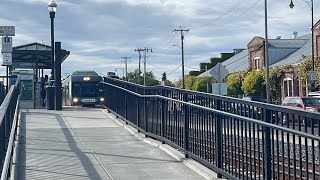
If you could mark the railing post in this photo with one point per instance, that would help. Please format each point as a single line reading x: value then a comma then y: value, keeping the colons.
x: 218, y: 147
x: 186, y: 125
x: 126, y: 102
x: 267, y: 145
x: 138, y: 108
x: 162, y: 114
x: 145, y: 110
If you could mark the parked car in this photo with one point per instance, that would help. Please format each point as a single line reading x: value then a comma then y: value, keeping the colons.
x: 310, y: 104
x: 255, y: 98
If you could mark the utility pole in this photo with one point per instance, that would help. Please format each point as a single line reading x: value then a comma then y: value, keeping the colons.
x: 145, y: 63
x: 139, y: 72
x: 182, y: 51
x: 126, y: 65
x: 266, y: 53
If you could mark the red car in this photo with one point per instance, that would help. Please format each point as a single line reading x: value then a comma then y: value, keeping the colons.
x: 310, y: 104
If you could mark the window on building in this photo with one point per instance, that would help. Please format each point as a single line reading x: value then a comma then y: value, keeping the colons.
x: 257, y: 63
x: 287, y: 87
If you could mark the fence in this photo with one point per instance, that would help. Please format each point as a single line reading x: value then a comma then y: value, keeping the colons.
x: 237, y: 139
x: 9, y: 111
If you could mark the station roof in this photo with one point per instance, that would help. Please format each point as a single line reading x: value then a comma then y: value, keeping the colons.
x: 27, y: 56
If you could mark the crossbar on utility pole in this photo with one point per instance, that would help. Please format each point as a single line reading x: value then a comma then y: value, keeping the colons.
x: 139, y: 72
x: 126, y: 65
x: 182, y: 52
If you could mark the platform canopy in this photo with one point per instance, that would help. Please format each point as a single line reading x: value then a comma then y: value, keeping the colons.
x: 34, y: 56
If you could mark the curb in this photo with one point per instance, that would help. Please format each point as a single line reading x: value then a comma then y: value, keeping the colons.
x: 190, y: 163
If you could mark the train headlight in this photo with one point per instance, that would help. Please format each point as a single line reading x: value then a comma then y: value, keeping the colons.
x: 75, y: 100
x: 86, y: 78
x: 101, y: 99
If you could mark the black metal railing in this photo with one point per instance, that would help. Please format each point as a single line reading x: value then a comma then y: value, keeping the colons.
x: 9, y: 111
x: 238, y: 139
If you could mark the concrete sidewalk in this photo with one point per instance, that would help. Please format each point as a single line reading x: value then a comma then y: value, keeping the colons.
x: 80, y: 143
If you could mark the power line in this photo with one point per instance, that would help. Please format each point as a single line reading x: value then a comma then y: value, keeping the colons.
x: 191, y: 67
x: 174, y: 70
x: 230, y: 21
x: 226, y: 13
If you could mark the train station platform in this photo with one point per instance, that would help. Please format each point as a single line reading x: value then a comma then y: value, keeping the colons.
x: 84, y: 143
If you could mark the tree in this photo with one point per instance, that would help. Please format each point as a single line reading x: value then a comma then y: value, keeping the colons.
x: 164, y: 76
x: 202, y: 83
x: 276, y: 74
x: 190, y: 81
x: 150, y: 78
x: 254, y: 84
x: 234, y: 84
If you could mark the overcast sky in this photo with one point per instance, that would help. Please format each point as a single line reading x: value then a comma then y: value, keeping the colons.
x: 99, y: 32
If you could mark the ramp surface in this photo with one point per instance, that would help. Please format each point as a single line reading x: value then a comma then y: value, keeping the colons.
x: 80, y: 143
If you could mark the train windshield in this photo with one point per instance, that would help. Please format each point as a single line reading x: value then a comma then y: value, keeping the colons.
x: 85, y: 90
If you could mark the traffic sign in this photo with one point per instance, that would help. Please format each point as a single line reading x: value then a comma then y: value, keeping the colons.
x: 7, y: 30
x: 6, y: 45
x: 312, y: 76
x: 219, y: 72
x: 7, y: 59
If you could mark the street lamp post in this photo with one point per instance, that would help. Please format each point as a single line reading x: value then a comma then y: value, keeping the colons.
x: 310, y: 4
x: 52, y: 7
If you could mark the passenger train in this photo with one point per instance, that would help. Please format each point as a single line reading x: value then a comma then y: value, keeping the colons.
x: 81, y: 88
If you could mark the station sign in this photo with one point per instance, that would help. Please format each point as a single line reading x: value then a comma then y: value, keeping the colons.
x: 7, y: 59
x: 312, y: 76
x: 6, y: 45
x: 7, y: 30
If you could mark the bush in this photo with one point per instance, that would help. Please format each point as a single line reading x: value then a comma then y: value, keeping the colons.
x: 254, y: 84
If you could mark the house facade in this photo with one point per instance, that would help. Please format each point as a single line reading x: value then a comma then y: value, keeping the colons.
x: 281, y: 53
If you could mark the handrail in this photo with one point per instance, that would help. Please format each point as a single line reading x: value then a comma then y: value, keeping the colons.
x: 9, y: 114
x: 8, y: 157
x: 273, y: 107
x: 299, y: 133
x: 5, y: 103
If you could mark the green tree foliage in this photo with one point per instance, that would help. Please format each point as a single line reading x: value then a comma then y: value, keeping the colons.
x: 234, y: 84
x: 306, y: 66
x: 202, y: 83
x: 164, y: 76
x: 168, y: 83
x: 190, y: 81
x: 150, y: 78
x: 254, y: 84
x: 275, y: 76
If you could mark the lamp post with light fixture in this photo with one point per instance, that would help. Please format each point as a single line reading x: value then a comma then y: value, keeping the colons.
x: 310, y: 4
x: 52, y: 7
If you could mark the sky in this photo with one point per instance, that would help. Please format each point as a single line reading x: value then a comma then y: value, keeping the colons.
x: 99, y: 32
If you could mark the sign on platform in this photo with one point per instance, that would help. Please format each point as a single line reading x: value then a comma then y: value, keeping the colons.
x: 219, y: 72
x: 7, y: 30
x: 7, y: 59
x: 6, y: 45
x: 312, y: 76
x: 219, y: 88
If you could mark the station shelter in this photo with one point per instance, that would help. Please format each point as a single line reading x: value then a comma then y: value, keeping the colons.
x: 29, y: 62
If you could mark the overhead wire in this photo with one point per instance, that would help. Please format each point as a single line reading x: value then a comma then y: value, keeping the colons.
x: 174, y: 70
x: 226, y: 13
x: 172, y: 35
x: 232, y: 20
